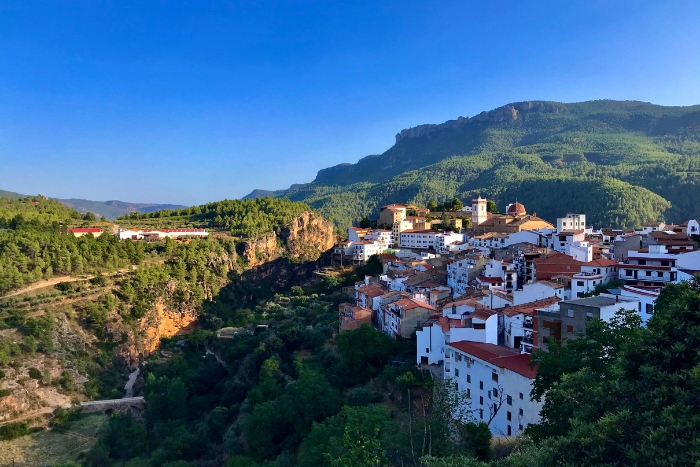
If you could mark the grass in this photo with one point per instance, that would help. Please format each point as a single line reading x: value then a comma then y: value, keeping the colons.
x: 50, y: 447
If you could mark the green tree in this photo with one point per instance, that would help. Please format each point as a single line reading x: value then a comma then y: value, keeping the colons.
x: 362, y: 354
x: 432, y: 205
x: 626, y: 394
x: 491, y: 207
x: 365, y: 223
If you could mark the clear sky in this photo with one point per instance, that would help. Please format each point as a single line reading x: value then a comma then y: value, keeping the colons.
x: 195, y: 101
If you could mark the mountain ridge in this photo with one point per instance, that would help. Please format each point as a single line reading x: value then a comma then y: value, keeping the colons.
x: 626, y: 149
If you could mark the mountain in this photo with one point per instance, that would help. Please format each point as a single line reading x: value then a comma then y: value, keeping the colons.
x: 113, y: 209
x: 621, y: 162
x: 10, y: 194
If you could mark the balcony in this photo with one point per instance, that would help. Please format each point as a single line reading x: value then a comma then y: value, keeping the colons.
x: 528, y: 340
x: 527, y: 325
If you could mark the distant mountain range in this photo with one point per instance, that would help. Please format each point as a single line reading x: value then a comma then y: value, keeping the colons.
x: 621, y: 162
x: 110, y: 209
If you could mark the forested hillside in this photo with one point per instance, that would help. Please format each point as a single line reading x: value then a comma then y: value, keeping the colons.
x: 622, y: 163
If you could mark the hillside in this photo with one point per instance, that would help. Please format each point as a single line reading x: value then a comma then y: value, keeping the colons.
x: 623, y: 163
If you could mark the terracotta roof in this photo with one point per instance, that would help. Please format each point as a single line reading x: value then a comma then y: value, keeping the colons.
x: 601, y: 262
x: 490, y: 280
x: 482, y: 313
x: 516, y: 208
x: 409, y: 303
x: 556, y: 257
x: 555, y: 285
x: 530, y: 307
x: 568, y: 233
x: 419, y: 231
x: 498, y: 356
x: 371, y: 291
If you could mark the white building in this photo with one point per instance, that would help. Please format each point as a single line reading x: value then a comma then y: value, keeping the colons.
x: 355, y: 234
x: 540, y: 290
x: 693, y: 228
x: 421, y: 239
x: 571, y: 222
x: 465, y: 320
x: 572, y: 243
x: 654, y: 268
x: 138, y: 234
x: 384, y: 238
x: 445, y: 240
x: 363, y: 249
x: 593, y: 274
x: 647, y: 299
x: 498, y: 381
x: 518, y: 321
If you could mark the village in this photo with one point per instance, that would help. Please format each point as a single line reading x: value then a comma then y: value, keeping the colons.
x: 482, y: 293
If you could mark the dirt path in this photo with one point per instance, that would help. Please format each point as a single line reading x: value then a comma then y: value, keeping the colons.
x: 55, y: 280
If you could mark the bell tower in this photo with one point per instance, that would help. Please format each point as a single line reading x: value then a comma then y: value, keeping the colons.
x: 479, y: 213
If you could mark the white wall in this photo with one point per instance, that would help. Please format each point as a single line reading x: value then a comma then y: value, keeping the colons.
x: 469, y: 380
x: 430, y: 342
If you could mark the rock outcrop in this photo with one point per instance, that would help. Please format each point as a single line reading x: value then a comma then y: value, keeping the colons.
x: 304, y: 238
x: 308, y: 236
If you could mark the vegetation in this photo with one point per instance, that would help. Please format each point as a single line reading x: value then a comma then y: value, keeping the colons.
x: 242, y: 218
x: 624, y: 163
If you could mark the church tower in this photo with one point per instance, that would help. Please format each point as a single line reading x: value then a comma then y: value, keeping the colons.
x: 479, y: 213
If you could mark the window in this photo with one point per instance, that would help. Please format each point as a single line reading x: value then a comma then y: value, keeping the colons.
x: 521, y: 412
x: 509, y: 416
x: 495, y: 407
x: 457, y: 386
x: 589, y: 314
x: 509, y: 400
x: 570, y: 329
x: 520, y: 427
x: 469, y: 378
x: 481, y: 385
x: 648, y: 273
x: 481, y: 414
x: 649, y: 308
x: 570, y: 313
x: 494, y: 377
x: 579, y: 283
x: 456, y: 371
x: 521, y: 396
x: 659, y: 274
x: 469, y: 393
x: 495, y: 392
x: 479, y: 325
x: 427, y: 350
x: 481, y: 400
x: 509, y: 431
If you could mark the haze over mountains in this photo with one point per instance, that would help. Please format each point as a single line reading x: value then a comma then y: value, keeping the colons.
x: 622, y: 162
x: 109, y: 209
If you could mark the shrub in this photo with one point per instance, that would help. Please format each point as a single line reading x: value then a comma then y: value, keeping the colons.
x: 34, y: 373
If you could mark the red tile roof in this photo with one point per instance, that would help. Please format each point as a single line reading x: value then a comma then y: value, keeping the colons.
x: 490, y: 280
x: 371, y: 291
x: 530, y: 307
x: 498, y: 356
x: 601, y: 262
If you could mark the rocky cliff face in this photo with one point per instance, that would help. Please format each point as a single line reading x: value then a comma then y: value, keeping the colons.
x: 305, y: 238
x: 308, y: 236
x: 506, y: 113
x: 158, y: 323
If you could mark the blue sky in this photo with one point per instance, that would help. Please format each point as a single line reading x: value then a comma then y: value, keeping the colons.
x: 189, y: 102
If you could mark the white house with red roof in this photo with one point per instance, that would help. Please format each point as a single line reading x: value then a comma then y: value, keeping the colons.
x: 518, y: 320
x: 498, y: 381
x: 368, y: 295
x: 139, y: 234
x: 592, y: 274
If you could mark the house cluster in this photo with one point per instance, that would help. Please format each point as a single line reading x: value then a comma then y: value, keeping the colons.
x: 478, y: 302
x: 399, y: 230
x: 157, y: 235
